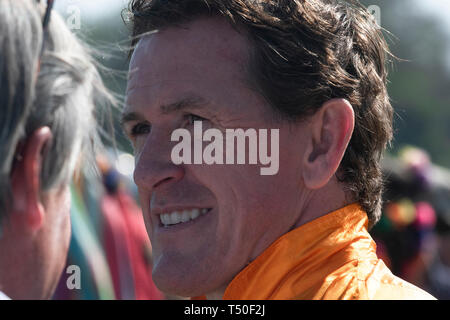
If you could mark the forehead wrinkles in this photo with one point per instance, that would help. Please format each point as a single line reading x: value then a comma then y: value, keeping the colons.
x: 211, y: 37
x: 226, y: 42
x: 195, y: 46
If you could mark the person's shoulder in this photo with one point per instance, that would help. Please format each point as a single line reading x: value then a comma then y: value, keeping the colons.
x: 381, y: 284
x: 395, y: 288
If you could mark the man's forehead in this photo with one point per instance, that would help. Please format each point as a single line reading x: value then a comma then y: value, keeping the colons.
x: 204, y: 42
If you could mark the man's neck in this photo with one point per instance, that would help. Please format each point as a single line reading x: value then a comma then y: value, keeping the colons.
x: 321, y: 202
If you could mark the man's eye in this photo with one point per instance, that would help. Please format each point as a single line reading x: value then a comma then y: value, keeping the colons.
x: 140, y: 128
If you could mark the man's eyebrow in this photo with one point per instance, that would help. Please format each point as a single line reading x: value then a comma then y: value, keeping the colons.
x: 130, y: 116
x: 192, y: 102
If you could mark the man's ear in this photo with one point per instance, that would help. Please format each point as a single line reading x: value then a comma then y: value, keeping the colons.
x: 27, y: 207
x: 331, y: 130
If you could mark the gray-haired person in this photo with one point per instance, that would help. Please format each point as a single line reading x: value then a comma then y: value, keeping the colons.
x: 48, y: 88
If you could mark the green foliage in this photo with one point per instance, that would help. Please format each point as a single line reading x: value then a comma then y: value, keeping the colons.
x: 420, y: 86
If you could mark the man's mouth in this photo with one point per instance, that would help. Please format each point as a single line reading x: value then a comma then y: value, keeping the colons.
x: 182, y: 216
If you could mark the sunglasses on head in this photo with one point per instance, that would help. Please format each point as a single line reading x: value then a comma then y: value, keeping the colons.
x: 46, y: 20
x: 45, y: 23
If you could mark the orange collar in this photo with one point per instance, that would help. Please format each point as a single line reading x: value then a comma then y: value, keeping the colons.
x: 300, y: 264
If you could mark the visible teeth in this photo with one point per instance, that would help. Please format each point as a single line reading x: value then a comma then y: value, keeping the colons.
x: 165, y: 219
x: 194, y: 213
x: 185, y: 217
x: 176, y: 217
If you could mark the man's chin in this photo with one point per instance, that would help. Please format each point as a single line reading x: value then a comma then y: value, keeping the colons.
x: 184, y: 288
x: 175, y: 280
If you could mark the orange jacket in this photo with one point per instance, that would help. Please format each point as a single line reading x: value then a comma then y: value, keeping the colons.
x: 332, y: 257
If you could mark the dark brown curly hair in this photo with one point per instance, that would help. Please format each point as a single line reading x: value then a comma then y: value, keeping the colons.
x: 304, y: 53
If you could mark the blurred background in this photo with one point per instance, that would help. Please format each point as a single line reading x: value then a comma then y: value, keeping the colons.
x: 109, y: 242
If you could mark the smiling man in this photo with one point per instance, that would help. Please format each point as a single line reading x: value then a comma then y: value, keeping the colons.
x: 313, y: 70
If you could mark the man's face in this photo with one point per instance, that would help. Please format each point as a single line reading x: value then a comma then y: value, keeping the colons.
x: 179, y: 75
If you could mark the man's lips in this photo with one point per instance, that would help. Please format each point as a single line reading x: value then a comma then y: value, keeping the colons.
x: 179, y: 215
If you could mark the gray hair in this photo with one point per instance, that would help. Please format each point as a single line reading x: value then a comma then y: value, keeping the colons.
x: 66, y: 91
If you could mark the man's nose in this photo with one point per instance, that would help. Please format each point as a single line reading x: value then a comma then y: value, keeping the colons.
x: 154, y: 166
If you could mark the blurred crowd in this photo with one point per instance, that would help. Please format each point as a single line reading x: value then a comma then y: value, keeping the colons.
x: 109, y: 242
x: 413, y: 235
